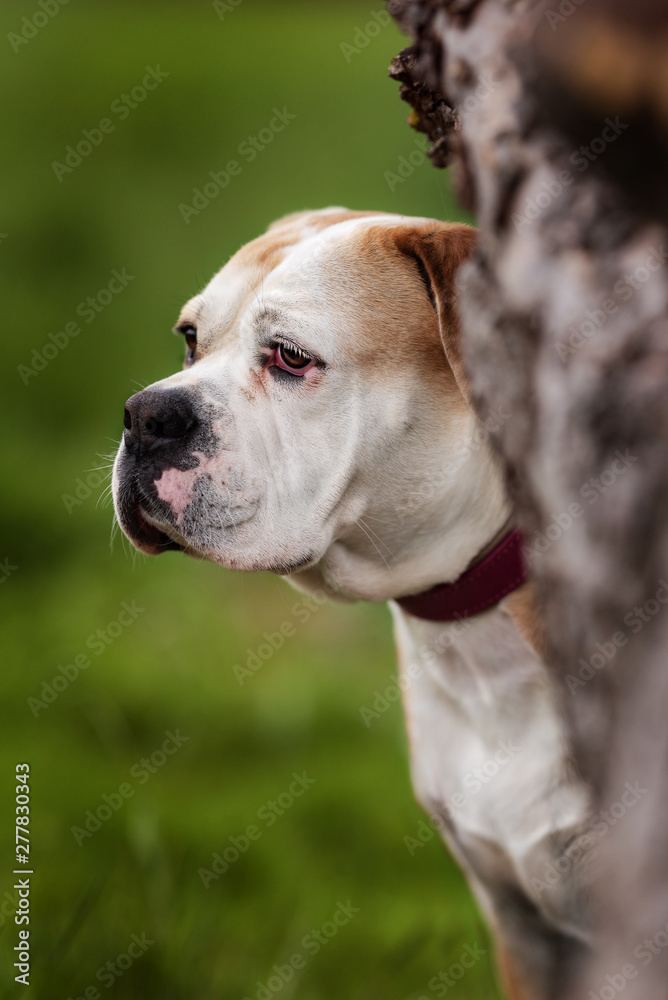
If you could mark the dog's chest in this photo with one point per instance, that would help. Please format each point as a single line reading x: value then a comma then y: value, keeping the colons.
x: 489, y: 755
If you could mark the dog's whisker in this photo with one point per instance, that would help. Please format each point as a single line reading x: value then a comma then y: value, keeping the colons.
x: 373, y: 543
x: 391, y: 524
x: 105, y: 498
x: 382, y: 541
x: 259, y: 304
x: 113, y: 533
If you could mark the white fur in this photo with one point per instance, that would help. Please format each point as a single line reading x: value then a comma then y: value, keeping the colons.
x: 472, y: 689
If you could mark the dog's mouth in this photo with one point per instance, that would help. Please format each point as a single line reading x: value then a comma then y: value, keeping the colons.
x: 153, y: 539
x: 144, y: 534
x: 154, y: 527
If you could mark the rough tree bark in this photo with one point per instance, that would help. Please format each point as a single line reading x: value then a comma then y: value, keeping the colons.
x: 555, y: 116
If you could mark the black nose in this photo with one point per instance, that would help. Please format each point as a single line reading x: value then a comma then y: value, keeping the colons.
x: 153, y: 418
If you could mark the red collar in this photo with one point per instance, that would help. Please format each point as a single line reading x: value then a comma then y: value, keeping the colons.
x: 476, y: 590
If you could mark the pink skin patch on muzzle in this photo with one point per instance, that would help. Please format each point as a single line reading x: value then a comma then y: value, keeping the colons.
x: 175, y: 487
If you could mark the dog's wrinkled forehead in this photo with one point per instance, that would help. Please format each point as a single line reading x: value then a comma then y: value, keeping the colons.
x: 329, y: 277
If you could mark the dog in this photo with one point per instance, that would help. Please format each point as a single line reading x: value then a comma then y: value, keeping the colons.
x: 323, y: 429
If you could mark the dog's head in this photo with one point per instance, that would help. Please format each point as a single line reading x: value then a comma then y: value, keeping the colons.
x: 322, y: 396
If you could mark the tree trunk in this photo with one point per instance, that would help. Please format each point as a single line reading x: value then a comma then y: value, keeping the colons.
x: 555, y: 119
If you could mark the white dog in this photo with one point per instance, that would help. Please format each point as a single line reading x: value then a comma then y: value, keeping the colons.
x: 322, y: 429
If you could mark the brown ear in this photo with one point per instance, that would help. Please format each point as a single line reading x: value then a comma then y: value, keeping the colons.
x: 438, y: 249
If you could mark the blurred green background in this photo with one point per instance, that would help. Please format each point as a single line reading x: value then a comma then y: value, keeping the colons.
x: 172, y: 669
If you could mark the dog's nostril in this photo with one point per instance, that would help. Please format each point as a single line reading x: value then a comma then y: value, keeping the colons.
x: 127, y: 419
x: 174, y: 425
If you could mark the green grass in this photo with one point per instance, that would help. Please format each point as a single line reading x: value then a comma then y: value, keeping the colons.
x: 173, y: 668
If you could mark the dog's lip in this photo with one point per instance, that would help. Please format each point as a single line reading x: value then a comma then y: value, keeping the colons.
x: 152, y: 533
x: 150, y: 537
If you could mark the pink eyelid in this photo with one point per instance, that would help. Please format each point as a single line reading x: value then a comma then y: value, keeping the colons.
x: 275, y: 359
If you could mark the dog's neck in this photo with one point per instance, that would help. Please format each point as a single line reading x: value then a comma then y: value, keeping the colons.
x: 391, y: 551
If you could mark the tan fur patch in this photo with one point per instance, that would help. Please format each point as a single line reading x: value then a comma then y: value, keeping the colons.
x: 317, y: 219
x: 266, y: 252
x: 522, y: 608
x: 514, y: 984
x: 396, y: 326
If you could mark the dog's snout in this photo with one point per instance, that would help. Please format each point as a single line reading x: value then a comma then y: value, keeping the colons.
x: 154, y: 418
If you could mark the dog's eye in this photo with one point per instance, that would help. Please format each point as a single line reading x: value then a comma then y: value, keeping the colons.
x: 292, y: 358
x: 190, y: 334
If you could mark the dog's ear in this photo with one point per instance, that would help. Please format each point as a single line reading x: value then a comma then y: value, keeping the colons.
x: 437, y: 250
